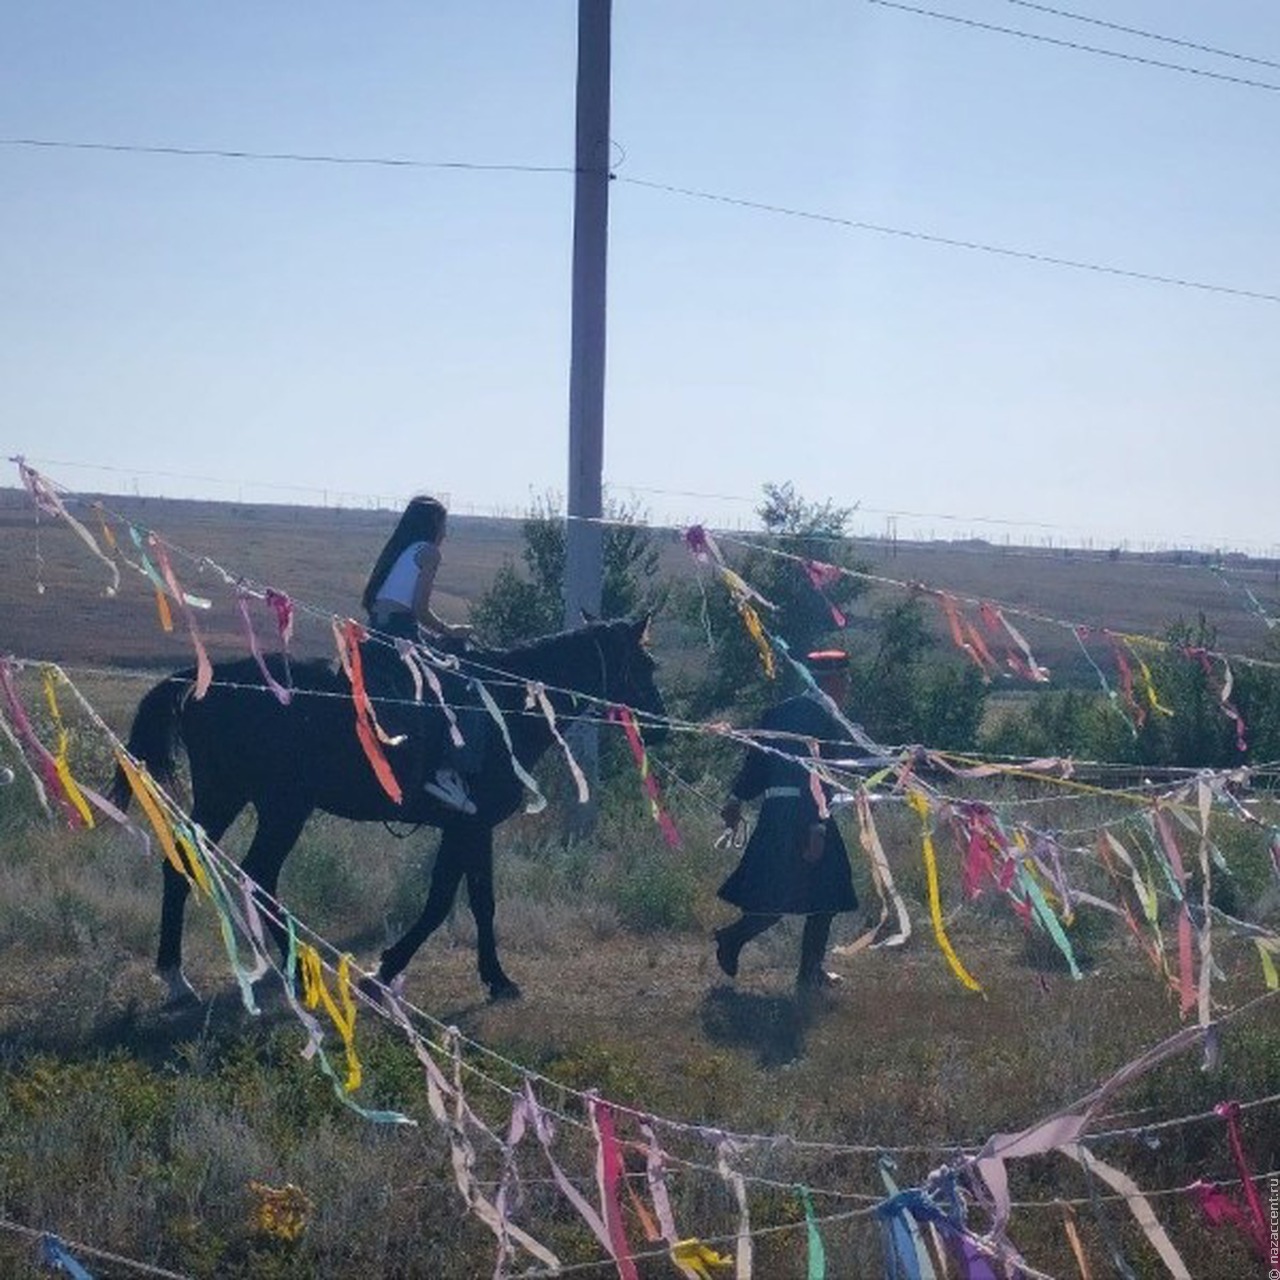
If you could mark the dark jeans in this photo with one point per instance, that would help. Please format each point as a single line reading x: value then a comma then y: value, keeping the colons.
x: 813, y: 944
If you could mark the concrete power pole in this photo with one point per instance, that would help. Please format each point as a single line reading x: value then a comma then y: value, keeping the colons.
x: 584, y: 539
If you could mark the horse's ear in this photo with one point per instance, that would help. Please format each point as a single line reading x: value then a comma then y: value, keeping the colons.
x: 588, y: 617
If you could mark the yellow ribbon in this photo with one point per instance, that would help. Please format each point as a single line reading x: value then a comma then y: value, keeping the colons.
x: 1267, y: 947
x: 921, y: 806
x: 755, y: 629
x: 1148, y: 685
x: 695, y: 1258
x: 60, y: 763
x: 315, y: 993
x: 195, y: 861
x: 144, y: 788
x: 279, y: 1211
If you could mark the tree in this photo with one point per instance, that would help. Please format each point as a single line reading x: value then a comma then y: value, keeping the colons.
x: 518, y: 606
x: 906, y: 693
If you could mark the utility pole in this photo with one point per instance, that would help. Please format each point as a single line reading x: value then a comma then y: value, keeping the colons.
x: 584, y: 539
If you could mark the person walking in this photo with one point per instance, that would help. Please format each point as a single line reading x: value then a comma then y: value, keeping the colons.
x: 795, y: 862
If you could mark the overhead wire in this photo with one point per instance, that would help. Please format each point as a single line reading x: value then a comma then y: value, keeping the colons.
x: 294, y: 157
x: 952, y: 242
x: 1145, y: 35
x: 762, y: 206
x: 979, y: 25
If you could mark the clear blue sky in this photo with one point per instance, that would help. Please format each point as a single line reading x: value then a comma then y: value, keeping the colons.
x: 283, y: 331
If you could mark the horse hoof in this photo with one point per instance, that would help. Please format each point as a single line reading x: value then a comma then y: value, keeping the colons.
x: 504, y: 990
x: 181, y: 992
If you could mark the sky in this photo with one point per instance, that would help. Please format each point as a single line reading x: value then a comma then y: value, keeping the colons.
x: 266, y: 330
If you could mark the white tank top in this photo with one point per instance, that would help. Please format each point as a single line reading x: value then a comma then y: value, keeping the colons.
x: 402, y: 581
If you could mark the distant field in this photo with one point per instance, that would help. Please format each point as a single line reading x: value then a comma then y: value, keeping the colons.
x: 320, y: 557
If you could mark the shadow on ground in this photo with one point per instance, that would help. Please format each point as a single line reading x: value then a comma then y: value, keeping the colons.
x: 772, y: 1027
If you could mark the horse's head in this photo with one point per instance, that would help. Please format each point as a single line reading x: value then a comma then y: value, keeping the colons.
x: 628, y: 668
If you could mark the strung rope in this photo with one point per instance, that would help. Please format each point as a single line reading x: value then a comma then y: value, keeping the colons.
x: 46, y: 500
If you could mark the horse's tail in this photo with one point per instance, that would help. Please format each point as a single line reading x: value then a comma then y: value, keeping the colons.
x: 154, y: 737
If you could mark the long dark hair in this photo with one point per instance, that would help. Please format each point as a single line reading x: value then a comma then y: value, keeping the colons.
x: 422, y: 521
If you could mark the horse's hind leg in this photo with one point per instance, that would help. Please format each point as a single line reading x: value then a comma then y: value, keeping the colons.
x: 215, y: 820
x: 445, y: 876
x: 480, y: 896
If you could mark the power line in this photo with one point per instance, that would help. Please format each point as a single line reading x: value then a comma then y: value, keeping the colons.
x: 952, y: 242
x: 761, y: 206
x: 296, y: 157
x: 1145, y: 35
x: 1072, y: 44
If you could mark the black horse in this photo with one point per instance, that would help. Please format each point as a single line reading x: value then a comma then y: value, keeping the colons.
x: 244, y: 747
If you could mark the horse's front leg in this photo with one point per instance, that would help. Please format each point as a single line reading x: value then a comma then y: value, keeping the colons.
x: 445, y: 877
x: 480, y: 896
x: 277, y: 832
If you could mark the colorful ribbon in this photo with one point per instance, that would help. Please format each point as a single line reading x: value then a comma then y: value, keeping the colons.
x: 1230, y: 1113
x: 921, y: 806
x: 283, y: 696
x: 650, y: 784
x: 204, y: 670
x: 47, y: 500
x: 348, y: 634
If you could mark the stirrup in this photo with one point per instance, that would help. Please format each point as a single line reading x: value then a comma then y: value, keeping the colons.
x: 450, y: 790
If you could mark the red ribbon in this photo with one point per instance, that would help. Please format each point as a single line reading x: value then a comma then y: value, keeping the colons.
x: 1257, y: 1227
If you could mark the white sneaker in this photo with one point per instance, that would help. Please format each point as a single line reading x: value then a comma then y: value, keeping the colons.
x: 450, y: 790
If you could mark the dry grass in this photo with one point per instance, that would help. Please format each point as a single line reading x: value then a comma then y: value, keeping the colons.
x: 141, y: 1131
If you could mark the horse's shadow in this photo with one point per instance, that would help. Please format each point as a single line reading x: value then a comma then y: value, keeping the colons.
x: 773, y: 1027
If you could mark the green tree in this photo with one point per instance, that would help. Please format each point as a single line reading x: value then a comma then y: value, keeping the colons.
x: 907, y: 693
x: 1191, y: 731
x: 1257, y: 697
x: 520, y: 605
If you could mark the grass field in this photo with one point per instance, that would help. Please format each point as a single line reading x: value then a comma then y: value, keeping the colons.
x: 141, y: 1131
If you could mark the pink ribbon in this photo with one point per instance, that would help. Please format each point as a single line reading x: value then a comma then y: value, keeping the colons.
x: 1221, y: 1210
x: 821, y: 577
x: 1186, y: 978
x: 1230, y: 1112
x: 283, y: 695
x: 610, y: 1174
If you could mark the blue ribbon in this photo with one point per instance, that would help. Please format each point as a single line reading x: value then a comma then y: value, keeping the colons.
x: 50, y: 1252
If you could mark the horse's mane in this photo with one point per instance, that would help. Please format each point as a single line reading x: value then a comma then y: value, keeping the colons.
x: 556, y: 639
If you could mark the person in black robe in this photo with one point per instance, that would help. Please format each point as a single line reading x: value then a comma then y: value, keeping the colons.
x: 795, y: 862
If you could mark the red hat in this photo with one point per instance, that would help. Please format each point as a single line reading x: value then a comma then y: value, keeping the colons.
x: 824, y: 661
